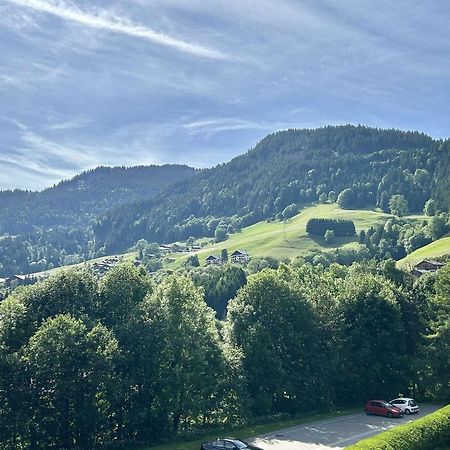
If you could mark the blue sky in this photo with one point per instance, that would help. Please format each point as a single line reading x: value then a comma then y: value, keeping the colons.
x: 88, y: 83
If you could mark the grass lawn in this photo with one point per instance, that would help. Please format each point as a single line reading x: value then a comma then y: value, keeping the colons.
x: 290, y: 239
x: 437, y: 248
x: 252, y: 430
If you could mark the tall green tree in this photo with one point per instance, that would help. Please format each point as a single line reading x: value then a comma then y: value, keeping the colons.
x: 121, y: 290
x: 438, y: 226
x: 273, y: 325
x: 430, y: 207
x: 69, y: 367
x: 72, y: 291
x: 398, y: 205
x: 437, y: 346
x: 372, y: 338
x: 191, y: 362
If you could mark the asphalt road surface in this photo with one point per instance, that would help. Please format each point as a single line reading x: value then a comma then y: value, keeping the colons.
x: 336, y: 433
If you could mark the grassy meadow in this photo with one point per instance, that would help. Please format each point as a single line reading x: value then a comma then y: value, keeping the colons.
x: 436, y: 249
x: 287, y: 240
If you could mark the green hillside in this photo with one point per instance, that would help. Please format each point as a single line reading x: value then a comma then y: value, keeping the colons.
x: 290, y: 239
x: 436, y: 249
x: 291, y: 166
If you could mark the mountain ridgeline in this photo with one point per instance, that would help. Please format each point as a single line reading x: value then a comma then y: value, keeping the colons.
x: 85, y: 196
x: 41, y: 230
x: 293, y: 166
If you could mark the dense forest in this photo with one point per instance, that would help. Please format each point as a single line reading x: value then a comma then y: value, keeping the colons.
x: 39, y: 230
x: 88, y: 363
x: 358, y: 166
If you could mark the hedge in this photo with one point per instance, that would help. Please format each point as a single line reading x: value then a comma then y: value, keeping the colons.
x: 429, y: 432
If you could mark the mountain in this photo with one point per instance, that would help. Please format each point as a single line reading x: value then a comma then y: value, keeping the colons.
x: 40, y: 230
x: 293, y: 166
x: 85, y: 196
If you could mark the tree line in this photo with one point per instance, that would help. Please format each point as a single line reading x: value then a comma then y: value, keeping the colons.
x: 340, y: 227
x: 127, y: 359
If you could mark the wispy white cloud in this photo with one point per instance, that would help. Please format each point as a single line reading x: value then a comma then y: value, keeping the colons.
x: 69, y: 124
x: 15, y: 18
x: 212, y: 126
x: 105, y: 21
x: 49, y: 150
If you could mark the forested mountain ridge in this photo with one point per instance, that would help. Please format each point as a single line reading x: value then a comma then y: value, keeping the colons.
x: 41, y: 230
x: 85, y: 196
x: 293, y: 166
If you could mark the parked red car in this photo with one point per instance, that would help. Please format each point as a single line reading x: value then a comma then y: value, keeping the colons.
x: 382, y: 408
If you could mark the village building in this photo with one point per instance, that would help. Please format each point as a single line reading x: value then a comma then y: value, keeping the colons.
x: 240, y: 256
x: 163, y: 248
x: 426, y: 266
x: 213, y: 260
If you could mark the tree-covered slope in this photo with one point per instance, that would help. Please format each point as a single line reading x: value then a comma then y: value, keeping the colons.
x: 79, y: 199
x: 42, y: 230
x: 290, y: 166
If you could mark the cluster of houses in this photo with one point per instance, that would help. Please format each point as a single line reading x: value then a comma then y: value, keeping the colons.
x: 238, y: 256
x: 101, y: 267
x: 426, y: 266
x: 178, y: 247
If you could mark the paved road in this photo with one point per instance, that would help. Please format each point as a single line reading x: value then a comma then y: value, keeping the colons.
x: 336, y: 433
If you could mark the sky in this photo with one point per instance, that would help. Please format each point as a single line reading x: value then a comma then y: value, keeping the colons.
x: 85, y: 83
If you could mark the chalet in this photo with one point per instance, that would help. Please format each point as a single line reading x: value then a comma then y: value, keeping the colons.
x: 163, y: 248
x: 179, y: 247
x: 240, y: 256
x: 426, y: 266
x: 213, y: 260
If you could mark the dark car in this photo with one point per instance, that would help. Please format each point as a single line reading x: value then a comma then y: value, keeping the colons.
x: 229, y: 444
x: 382, y: 408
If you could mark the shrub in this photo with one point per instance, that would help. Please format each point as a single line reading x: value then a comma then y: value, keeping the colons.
x: 429, y: 432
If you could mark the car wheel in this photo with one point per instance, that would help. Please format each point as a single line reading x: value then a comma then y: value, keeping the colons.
x: 407, y: 411
x: 389, y: 414
x: 367, y: 412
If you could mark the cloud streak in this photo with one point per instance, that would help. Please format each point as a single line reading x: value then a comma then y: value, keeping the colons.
x: 104, y: 21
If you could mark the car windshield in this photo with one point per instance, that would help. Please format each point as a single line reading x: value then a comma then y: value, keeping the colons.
x: 413, y: 403
x: 387, y: 405
x: 240, y: 444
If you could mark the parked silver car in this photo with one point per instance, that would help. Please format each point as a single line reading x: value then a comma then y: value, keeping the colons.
x: 407, y: 405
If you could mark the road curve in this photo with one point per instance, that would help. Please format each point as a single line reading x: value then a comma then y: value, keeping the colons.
x: 336, y: 433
